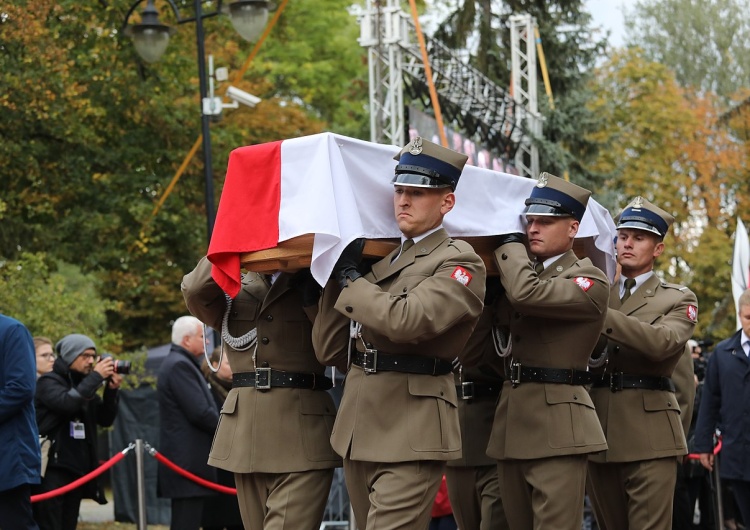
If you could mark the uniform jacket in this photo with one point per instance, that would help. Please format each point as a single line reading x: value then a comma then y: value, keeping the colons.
x: 645, y: 336
x: 413, y: 306
x: 281, y: 430
x: 187, y: 420
x: 482, y: 366
x: 556, y: 320
x: 19, y: 460
x: 725, y: 404
x: 64, y: 396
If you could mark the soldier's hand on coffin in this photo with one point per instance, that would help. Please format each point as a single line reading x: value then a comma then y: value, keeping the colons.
x: 346, y: 267
x: 515, y: 237
x: 493, y: 290
x: 305, y: 284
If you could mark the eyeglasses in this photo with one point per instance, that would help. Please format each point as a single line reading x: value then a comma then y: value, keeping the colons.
x: 48, y: 355
x: 90, y: 356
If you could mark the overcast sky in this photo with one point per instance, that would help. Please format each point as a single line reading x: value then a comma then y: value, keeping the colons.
x: 608, y: 15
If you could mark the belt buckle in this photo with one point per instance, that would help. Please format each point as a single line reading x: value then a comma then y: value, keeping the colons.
x: 467, y: 390
x: 515, y: 374
x: 370, y: 360
x: 263, y: 378
x: 613, y: 381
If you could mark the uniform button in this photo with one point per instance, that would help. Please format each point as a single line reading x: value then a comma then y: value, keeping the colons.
x: 269, y: 318
x: 441, y: 393
x: 669, y: 403
x: 609, y: 330
x: 404, y: 289
x: 265, y: 340
x: 616, y: 349
x: 575, y: 397
x: 348, y: 309
x: 504, y: 256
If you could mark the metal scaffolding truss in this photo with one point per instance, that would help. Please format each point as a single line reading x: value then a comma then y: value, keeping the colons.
x: 467, y: 98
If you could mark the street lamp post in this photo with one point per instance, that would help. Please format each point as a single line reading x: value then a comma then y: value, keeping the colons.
x: 151, y: 37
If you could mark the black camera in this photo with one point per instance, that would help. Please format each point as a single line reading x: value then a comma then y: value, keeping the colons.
x: 121, y: 367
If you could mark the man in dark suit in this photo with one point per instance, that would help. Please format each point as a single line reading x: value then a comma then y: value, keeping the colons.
x: 397, y: 423
x: 545, y: 424
x: 276, y: 422
x: 187, y: 420
x: 649, y: 321
x: 725, y: 403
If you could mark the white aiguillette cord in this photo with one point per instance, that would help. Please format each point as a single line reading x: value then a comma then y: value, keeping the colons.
x: 241, y: 343
x: 503, y: 343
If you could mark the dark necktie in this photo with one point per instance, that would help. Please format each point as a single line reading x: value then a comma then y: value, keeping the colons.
x: 538, y: 267
x: 406, y: 246
x: 629, y: 284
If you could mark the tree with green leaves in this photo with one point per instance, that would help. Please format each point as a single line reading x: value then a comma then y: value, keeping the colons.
x: 91, y: 137
x: 661, y: 142
x: 704, y: 43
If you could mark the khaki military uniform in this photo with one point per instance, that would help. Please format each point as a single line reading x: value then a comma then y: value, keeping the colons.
x: 543, y: 431
x: 473, y: 487
x: 632, y: 484
x: 277, y: 441
x: 396, y: 429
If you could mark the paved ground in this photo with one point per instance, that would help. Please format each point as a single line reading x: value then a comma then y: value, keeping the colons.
x: 93, y: 512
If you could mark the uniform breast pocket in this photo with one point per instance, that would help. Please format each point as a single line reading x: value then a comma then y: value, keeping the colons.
x: 571, y: 417
x: 224, y: 435
x: 432, y: 414
x: 663, y: 420
x: 317, y: 414
x: 297, y: 334
x: 243, y: 316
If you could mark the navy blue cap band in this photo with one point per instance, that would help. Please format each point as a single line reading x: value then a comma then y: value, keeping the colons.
x: 549, y: 196
x: 641, y: 215
x: 422, y: 160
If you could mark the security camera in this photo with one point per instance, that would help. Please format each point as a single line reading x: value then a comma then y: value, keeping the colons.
x: 240, y: 96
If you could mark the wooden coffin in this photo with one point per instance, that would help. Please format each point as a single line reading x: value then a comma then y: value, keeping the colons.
x: 296, y: 253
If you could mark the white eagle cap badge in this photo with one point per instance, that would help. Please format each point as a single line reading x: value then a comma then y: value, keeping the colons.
x: 416, y: 146
x: 542, y: 180
x: 637, y: 202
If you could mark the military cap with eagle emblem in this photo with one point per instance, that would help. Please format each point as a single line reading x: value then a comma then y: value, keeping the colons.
x: 425, y: 164
x: 553, y: 196
x: 643, y: 215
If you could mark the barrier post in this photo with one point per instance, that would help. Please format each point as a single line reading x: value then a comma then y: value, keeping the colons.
x: 718, y: 502
x: 141, y: 484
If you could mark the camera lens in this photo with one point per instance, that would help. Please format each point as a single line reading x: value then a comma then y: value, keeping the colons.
x: 122, y: 367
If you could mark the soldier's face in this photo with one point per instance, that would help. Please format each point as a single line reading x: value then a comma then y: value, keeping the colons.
x: 637, y: 250
x: 550, y: 236
x: 418, y: 210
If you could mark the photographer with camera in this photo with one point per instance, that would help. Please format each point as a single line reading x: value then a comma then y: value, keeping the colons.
x: 68, y: 409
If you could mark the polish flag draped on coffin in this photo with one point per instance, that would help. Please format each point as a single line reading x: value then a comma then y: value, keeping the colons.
x: 339, y: 188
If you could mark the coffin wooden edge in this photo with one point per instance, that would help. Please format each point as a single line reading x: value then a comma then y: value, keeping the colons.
x: 296, y: 253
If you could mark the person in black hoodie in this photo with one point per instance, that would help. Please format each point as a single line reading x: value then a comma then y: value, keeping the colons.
x: 68, y: 410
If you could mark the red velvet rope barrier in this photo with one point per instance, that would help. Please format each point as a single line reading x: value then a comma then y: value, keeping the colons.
x: 73, y: 485
x: 203, y: 482
x: 693, y: 456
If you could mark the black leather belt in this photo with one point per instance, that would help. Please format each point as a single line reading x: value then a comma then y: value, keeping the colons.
x: 531, y: 374
x: 618, y: 381
x: 267, y: 378
x: 372, y: 361
x: 472, y: 390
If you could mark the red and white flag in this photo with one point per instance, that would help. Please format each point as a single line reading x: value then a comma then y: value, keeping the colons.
x: 339, y: 188
x: 740, y: 264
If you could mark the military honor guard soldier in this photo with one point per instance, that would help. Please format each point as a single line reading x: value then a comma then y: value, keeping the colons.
x: 649, y: 322
x: 545, y: 424
x: 275, y: 426
x: 415, y: 310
